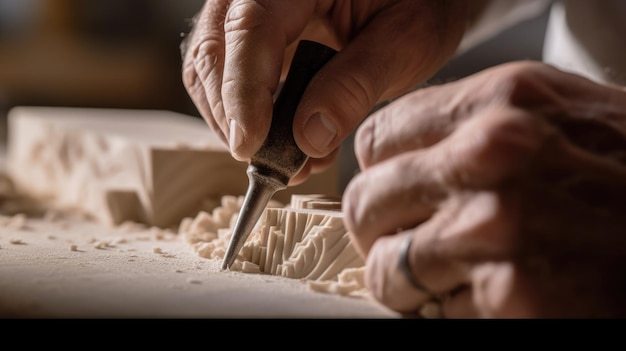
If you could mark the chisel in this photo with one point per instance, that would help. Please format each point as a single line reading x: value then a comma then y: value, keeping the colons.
x: 279, y: 158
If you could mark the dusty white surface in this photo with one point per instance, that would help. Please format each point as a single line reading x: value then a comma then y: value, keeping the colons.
x: 144, y: 274
x: 149, y: 166
x: 74, y: 268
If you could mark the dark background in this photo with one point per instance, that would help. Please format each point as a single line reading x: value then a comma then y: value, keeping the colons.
x: 113, y: 53
x: 125, y: 54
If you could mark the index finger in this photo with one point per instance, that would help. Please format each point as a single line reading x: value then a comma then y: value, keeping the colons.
x: 256, y: 34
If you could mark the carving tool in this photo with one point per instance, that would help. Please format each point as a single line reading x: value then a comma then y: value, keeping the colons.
x: 279, y: 158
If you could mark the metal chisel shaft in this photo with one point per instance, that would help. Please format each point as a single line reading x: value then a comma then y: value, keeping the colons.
x: 279, y: 158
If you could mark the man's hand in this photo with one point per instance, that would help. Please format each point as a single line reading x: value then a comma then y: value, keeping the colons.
x: 512, y: 186
x: 238, y: 49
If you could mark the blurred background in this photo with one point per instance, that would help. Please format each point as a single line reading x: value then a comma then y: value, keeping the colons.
x: 93, y: 53
x: 125, y: 54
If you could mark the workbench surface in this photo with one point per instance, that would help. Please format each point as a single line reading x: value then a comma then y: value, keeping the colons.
x: 72, y: 267
x: 77, y: 268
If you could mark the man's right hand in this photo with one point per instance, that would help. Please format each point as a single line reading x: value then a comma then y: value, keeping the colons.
x: 238, y: 50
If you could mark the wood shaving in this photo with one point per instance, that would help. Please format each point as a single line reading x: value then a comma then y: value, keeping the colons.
x: 52, y: 215
x: 131, y: 227
x: 16, y: 222
x: 119, y: 240
x: 193, y: 281
x: 431, y: 310
x: 101, y: 245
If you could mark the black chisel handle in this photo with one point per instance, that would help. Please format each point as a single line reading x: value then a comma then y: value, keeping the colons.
x: 280, y: 157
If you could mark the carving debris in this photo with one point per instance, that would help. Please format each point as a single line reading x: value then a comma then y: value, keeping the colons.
x: 146, y: 166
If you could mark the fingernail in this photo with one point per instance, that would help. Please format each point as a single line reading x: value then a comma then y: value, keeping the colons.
x: 236, y: 135
x: 320, y: 131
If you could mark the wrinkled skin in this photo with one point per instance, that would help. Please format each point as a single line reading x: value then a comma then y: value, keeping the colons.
x: 238, y: 50
x: 512, y: 183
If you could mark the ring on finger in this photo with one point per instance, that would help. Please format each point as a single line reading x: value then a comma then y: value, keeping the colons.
x: 405, y: 268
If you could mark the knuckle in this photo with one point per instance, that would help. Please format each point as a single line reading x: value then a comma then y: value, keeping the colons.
x: 510, y: 130
x: 525, y: 84
x: 356, y: 93
x: 490, y: 217
x: 520, y: 71
x: 245, y: 15
x: 349, y: 202
x: 353, y: 99
x: 211, y: 46
x: 205, y: 57
x: 208, y: 52
x: 203, y: 46
x: 364, y: 143
x: 196, y: 72
x: 383, y: 281
x: 190, y: 78
x: 489, y: 150
x: 359, y: 214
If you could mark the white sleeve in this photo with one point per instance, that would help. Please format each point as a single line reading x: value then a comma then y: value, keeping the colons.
x: 499, y: 15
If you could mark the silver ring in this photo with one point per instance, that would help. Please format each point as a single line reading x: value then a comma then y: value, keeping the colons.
x: 405, y: 268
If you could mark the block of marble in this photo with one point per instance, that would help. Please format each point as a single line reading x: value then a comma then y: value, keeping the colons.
x: 115, y: 165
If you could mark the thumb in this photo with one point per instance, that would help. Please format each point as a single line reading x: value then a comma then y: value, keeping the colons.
x: 385, y: 59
